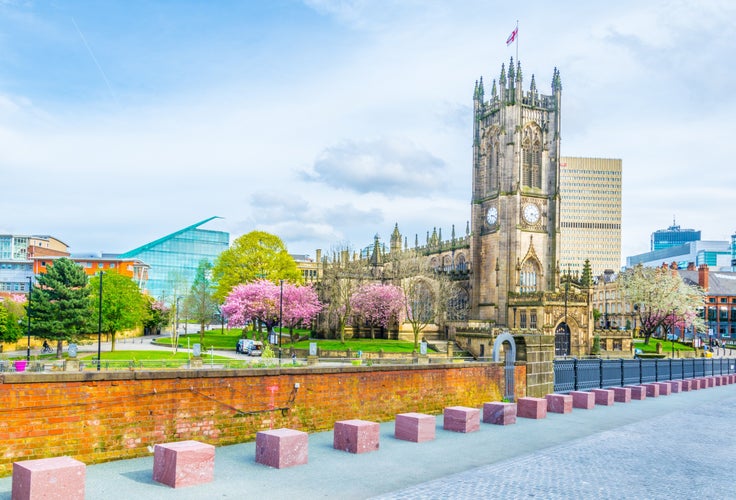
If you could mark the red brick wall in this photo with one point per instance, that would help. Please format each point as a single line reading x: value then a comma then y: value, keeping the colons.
x: 96, y: 417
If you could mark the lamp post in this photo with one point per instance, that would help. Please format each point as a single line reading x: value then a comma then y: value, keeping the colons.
x: 281, y: 315
x: 99, y: 328
x: 30, y: 296
x: 175, y: 342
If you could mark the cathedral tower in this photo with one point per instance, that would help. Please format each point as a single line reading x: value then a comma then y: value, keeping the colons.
x: 515, y: 199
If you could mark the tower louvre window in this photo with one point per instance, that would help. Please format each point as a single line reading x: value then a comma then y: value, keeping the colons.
x: 531, y: 158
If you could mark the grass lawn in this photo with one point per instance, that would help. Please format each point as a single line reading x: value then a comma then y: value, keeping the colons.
x: 366, y: 345
x: 229, y: 339
x: 142, y: 356
x: 666, y: 346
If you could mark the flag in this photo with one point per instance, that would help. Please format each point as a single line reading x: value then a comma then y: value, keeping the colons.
x: 512, y: 36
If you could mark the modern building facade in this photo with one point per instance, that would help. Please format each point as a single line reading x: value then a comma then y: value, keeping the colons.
x: 135, y: 269
x: 673, y: 236
x: 590, y: 213
x: 174, y: 258
x: 16, y: 254
x: 715, y: 254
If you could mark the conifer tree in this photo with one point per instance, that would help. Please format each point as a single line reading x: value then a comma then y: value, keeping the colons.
x: 60, y: 308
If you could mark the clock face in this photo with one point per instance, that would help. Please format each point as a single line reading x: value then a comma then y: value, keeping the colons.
x: 492, y: 216
x: 531, y: 213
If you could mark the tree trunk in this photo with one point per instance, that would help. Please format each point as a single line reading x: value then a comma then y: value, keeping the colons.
x: 59, y: 349
x: 112, y: 343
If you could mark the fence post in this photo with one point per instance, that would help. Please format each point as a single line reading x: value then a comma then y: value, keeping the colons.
x: 640, y: 378
x: 575, y: 373
x: 600, y: 373
x: 670, y: 377
x: 622, y: 372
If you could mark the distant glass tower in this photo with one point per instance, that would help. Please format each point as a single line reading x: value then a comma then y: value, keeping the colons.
x: 673, y: 236
x: 174, y: 258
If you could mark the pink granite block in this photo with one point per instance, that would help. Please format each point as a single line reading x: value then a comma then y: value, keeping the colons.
x: 638, y: 392
x: 356, y: 436
x: 559, y: 403
x: 603, y: 397
x: 583, y: 399
x: 696, y: 384
x: 622, y: 394
x: 499, y: 413
x: 461, y: 419
x: 664, y: 388
x: 184, y: 463
x: 652, y: 390
x: 531, y: 408
x: 686, y: 385
x: 721, y: 380
x: 59, y: 478
x: 415, y: 427
x: 281, y: 448
x: 732, y: 378
x: 711, y: 381
x: 675, y: 385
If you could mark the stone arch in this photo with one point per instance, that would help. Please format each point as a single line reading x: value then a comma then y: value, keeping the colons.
x: 498, y: 342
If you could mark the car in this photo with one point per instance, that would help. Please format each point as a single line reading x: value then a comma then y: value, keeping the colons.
x: 243, y: 346
x: 255, y: 348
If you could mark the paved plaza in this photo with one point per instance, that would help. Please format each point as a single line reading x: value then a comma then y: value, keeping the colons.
x: 676, y: 446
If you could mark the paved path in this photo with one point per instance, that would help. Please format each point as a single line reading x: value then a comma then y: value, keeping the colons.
x: 677, y: 446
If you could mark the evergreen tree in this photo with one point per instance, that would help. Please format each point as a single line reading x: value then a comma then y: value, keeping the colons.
x: 586, y: 278
x: 60, y: 308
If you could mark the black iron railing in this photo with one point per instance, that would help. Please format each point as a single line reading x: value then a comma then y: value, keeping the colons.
x: 583, y: 374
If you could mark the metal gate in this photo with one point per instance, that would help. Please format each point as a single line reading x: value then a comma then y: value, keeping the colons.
x: 562, y: 340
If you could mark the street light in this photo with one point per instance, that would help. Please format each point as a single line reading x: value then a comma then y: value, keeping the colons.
x: 99, y: 328
x: 30, y: 295
x: 281, y: 316
x: 175, y: 343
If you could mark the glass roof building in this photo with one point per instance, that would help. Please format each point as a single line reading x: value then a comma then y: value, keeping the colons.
x: 174, y: 258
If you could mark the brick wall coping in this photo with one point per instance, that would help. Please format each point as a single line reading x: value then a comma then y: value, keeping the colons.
x: 142, y: 374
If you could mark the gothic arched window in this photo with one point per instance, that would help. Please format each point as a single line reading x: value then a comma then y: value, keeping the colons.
x: 532, y: 158
x: 421, y: 302
x: 461, y: 265
x: 528, y: 277
x: 457, y: 306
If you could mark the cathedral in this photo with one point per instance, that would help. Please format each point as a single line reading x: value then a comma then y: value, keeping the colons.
x: 505, y: 268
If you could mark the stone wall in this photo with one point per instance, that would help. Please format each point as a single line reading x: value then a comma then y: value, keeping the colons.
x: 538, y: 351
x: 101, y: 416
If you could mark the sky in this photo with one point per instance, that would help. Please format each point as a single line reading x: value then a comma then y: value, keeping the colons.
x: 328, y: 121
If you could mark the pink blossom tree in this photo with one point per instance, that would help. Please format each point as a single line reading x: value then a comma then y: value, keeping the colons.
x: 378, y: 304
x: 262, y: 300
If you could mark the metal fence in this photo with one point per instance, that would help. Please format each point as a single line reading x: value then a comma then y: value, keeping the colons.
x: 583, y: 374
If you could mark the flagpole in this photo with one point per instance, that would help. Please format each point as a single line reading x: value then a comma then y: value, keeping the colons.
x: 517, y: 41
